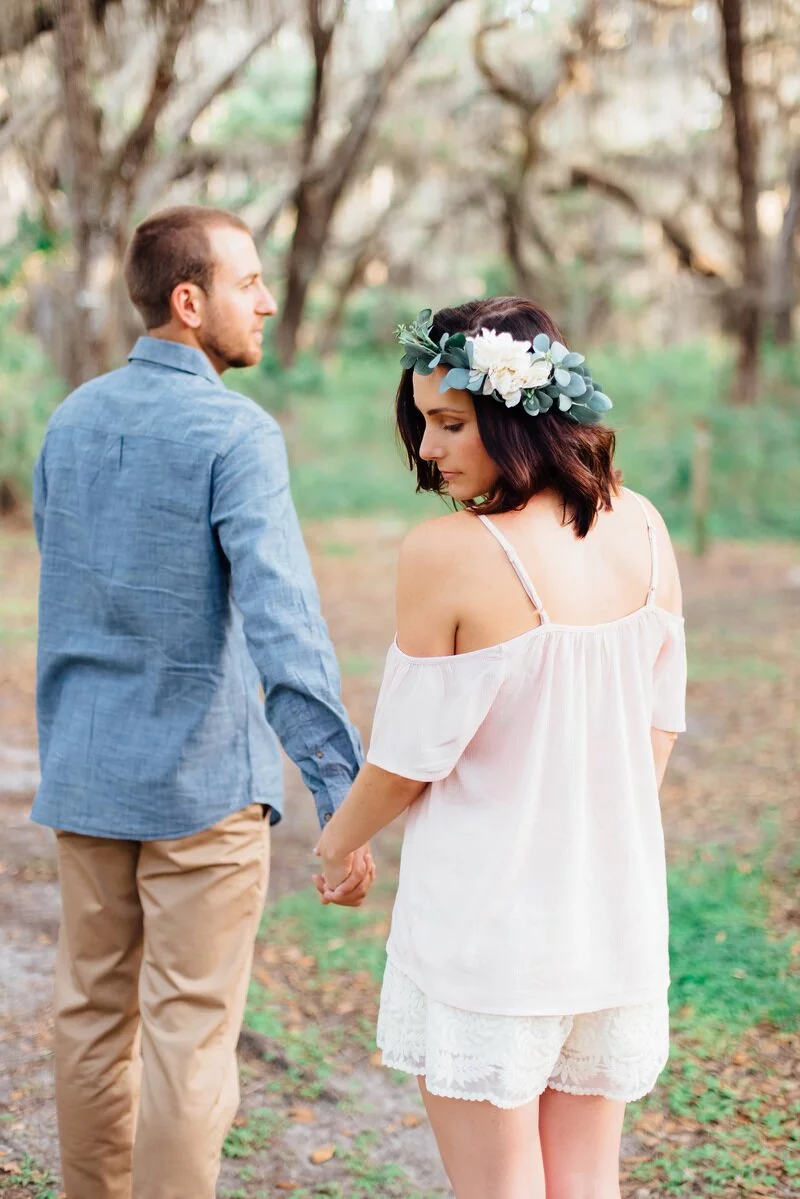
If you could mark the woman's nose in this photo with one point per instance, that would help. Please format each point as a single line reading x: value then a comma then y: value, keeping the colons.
x: 428, y: 452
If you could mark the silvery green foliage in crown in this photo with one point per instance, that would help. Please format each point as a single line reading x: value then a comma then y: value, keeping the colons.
x: 537, y: 374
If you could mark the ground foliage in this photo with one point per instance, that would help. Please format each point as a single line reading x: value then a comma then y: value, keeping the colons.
x: 319, y: 1117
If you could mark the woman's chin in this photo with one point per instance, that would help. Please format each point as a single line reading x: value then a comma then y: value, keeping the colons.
x: 457, y: 489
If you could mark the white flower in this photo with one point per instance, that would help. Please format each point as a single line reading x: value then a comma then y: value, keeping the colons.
x: 539, y: 373
x: 508, y: 366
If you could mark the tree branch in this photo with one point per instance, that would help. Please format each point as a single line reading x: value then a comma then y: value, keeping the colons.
x: 132, y: 153
x: 687, y: 255
x: 342, y: 161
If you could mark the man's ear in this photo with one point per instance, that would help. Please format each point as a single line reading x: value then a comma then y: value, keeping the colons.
x: 187, y: 303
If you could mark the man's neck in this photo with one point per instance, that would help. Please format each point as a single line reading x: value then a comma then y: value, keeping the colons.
x: 187, y: 337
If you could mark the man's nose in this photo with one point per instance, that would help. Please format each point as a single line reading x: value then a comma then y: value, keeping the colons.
x: 266, y: 302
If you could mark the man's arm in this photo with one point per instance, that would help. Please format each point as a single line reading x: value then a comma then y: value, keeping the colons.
x: 273, y: 586
x: 39, y: 498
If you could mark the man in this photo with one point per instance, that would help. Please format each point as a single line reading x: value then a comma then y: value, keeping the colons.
x: 170, y: 548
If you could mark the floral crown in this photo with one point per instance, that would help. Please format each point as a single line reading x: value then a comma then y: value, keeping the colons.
x: 537, y: 374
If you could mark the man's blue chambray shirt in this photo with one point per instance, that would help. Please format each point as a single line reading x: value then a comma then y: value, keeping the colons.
x: 174, y: 578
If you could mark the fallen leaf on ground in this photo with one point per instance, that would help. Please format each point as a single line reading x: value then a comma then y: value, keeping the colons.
x: 302, y: 1115
x: 323, y: 1154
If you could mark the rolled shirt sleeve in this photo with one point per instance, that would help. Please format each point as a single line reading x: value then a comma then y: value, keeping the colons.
x: 273, y: 586
x: 429, y: 709
x: 669, y: 691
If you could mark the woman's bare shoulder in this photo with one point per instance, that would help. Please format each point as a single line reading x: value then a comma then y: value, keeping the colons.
x: 438, y: 540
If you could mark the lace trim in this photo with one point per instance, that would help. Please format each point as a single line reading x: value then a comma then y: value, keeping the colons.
x: 509, y: 1060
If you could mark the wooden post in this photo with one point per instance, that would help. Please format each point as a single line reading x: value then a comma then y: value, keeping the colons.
x: 701, y: 455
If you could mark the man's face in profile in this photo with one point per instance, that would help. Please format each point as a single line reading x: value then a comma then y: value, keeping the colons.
x: 238, y: 303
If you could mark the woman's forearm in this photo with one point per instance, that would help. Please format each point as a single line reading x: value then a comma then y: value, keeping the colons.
x: 375, y: 799
x: 663, y: 744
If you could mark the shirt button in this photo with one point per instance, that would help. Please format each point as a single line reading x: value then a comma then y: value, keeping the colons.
x: 319, y: 754
x: 326, y: 817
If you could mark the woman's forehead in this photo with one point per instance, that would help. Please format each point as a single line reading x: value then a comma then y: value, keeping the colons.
x: 433, y: 402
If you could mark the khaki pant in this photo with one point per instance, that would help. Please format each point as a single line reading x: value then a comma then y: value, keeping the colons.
x: 154, y: 957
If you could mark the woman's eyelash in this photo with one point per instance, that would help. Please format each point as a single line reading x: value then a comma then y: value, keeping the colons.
x: 454, y: 428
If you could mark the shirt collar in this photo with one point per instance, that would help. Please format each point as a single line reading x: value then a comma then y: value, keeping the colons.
x: 175, y: 355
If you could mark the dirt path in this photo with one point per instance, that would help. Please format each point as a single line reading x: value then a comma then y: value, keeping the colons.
x: 738, y: 764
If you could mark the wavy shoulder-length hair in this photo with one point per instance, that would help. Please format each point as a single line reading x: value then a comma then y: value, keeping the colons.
x: 533, y: 453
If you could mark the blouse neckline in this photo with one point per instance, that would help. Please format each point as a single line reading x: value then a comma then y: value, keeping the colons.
x: 548, y: 627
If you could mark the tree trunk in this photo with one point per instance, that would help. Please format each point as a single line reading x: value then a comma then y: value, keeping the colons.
x: 751, y: 299
x: 329, y: 334
x: 89, y: 237
x: 319, y: 191
x: 785, y: 276
x: 513, y: 200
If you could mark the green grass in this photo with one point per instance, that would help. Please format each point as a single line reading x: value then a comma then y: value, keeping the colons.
x: 342, y: 940
x: 262, y: 1128
x: 730, y: 975
x: 40, y: 1183
x: 727, y: 971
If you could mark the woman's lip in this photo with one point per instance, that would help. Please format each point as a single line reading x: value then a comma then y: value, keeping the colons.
x: 449, y: 474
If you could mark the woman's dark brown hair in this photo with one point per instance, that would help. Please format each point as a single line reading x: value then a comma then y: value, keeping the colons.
x: 532, y: 452
x: 169, y: 248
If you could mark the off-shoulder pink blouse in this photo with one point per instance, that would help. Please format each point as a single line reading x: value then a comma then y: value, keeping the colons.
x: 533, y: 878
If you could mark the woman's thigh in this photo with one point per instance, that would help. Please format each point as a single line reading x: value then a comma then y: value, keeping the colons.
x: 488, y: 1152
x: 580, y: 1139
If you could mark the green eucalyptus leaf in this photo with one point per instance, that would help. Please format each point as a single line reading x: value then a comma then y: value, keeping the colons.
x: 576, y: 387
x: 457, y: 379
x: 572, y: 360
x: 558, y: 352
x: 422, y: 367
x: 562, y: 377
x: 600, y: 402
x: 541, y: 342
x: 545, y: 401
x: 456, y: 339
x: 456, y: 357
x: 434, y: 362
x: 564, y: 403
x: 553, y: 391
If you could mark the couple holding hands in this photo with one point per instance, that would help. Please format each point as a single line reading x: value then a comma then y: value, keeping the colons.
x: 529, y: 704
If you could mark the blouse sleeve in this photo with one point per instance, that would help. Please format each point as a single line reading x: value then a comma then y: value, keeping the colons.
x: 669, y: 695
x: 429, y: 709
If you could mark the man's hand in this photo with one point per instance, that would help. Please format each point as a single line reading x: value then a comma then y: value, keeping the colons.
x: 346, y: 883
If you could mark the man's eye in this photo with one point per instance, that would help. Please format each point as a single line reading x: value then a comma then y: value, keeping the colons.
x: 454, y: 428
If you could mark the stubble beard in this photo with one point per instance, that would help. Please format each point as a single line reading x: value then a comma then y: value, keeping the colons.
x: 229, y: 349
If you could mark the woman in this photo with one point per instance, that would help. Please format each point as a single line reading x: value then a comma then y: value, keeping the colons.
x: 529, y: 706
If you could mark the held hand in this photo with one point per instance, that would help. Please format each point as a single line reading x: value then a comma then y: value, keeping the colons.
x: 346, y: 882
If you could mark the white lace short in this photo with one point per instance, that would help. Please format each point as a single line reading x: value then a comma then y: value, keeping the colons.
x: 509, y: 1060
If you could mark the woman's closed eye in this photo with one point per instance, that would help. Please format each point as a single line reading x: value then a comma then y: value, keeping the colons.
x: 454, y: 428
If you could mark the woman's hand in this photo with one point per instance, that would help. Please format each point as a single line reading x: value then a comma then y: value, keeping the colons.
x: 345, y: 881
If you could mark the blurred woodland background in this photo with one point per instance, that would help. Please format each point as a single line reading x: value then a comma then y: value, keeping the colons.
x: 633, y: 165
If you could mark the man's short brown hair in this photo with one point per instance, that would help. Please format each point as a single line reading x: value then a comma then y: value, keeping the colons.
x: 169, y: 248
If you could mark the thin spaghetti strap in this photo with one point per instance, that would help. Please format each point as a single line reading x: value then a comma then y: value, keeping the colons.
x: 519, y: 569
x: 651, y: 534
